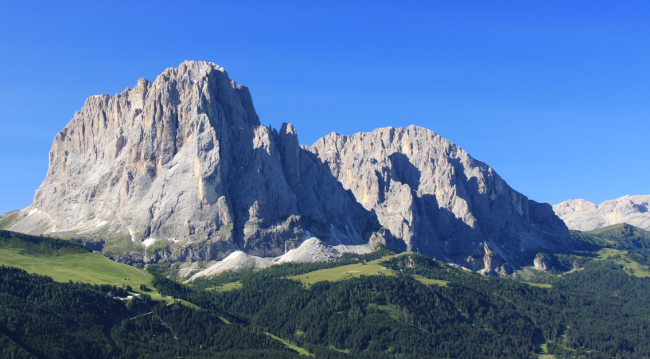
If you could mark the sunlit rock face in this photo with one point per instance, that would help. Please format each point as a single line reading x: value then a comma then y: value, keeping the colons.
x: 581, y: 215
x: 180, y: 169
x: 431, y: 197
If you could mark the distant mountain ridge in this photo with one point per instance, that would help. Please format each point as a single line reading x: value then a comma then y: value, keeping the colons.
x: 582, y: 215
x: 180, y: 169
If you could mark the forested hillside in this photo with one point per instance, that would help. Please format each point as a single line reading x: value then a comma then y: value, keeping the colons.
x: 411, y: 307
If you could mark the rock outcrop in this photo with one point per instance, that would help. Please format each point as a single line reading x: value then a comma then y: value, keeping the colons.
x: 431, y: 197
x: 543, y: 262
x: 581, y: 215
x: 494, y: 265
x: 180, y: 169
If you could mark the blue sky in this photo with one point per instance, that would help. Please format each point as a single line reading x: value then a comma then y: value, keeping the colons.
x: 554, y: 95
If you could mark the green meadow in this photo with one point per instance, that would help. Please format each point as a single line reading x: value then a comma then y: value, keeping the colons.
x: 356, y: 270
x: 342, y: 273
x: 90, y: 268
x: 71, y: 263
x: 227, y: 287
x: 621, y: 257
x: 427, y: 281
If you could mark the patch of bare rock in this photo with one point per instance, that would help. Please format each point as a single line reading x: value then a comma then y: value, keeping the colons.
x: 236, y: 261
x: 311, y: 250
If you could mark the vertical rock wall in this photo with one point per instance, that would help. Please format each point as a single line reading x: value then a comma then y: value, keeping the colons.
x: 431, y: 197
x: 181, y: 169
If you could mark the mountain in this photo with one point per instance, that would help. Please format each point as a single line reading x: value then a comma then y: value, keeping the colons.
x: 433, y: 198
x: 180, y: 169
x: 581, y: 215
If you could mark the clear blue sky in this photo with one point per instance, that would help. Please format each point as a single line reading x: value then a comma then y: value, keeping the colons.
x: 554, y: 95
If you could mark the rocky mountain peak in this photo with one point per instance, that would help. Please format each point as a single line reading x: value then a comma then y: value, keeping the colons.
x: 180, y: 169
x: 431, y: 197
x: 582, y: 215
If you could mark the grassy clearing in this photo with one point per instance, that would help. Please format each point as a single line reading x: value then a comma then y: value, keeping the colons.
x: 7, y: 219
x: 300, y: 350
x: 392, y: 311
x: 226, y: 287
x: 540, y: 343
x: 541, y: 285
x: 342, y: 273
x: 606, y: 229
x: 81, y: 267
x: 183, y: 302
x: 427, y: 281
x: 620, y: 257
x: 347, y: 272
x: 347, y: 351
x: 120, y: 244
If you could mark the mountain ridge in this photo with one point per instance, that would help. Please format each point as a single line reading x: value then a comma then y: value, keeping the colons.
x: 582, y: 215
x: 180, y: 169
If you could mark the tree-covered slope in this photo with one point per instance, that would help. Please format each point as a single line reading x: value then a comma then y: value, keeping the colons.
x: 620, y: 236
x: 470, y: 316
x: 45, y: 319
x: 422, y: 309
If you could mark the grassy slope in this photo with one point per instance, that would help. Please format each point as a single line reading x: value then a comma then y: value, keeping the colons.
x: 620, y: 236
x: 620, y: 240
x: 7, y: 219
x: 226, y: 287
x: 300, y: 350
x: 81, y: 267
x: 428, y: 281
x: 621, y: 257
x: 606, y: 229
x: 349, y: 271
x: 540, y: 285
x: 620, y: 243
x: 70, y: 263
x: 341, y: 273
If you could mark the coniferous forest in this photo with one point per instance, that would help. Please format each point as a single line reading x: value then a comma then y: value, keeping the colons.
x: 428, y: 309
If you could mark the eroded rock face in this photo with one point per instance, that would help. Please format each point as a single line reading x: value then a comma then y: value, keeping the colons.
x: 431, y: 197
x: 543, y: 262
x: 581, y: 215
x: 181, y: 169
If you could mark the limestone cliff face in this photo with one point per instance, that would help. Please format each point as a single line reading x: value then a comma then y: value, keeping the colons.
x: 181, y: 169
x: 543, y: 262
x: 431, y: 197
x: 585, y: 216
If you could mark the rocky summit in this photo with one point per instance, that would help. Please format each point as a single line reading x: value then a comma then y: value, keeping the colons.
x: 180, y: 169
x: 582, y: 215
